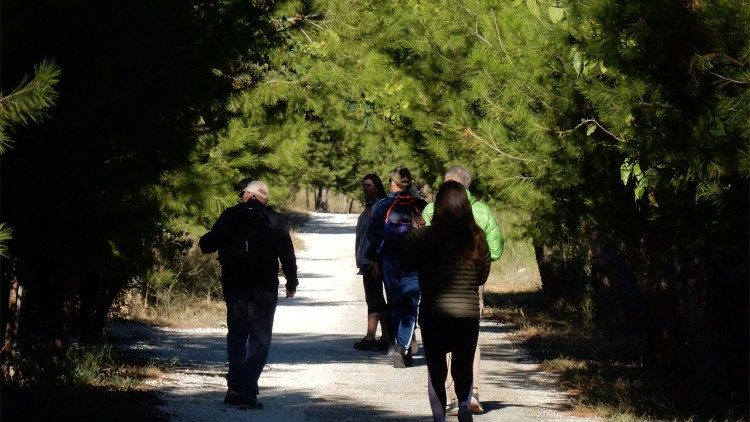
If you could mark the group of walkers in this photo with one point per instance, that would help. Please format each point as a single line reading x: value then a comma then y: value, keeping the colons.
x: 433, y: 260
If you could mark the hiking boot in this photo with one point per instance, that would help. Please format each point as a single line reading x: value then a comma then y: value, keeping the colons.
x: 232, y: 398
x: 452, y: 409
x: 475, y: 406
x: 464, y: 415
x: 366, y: 344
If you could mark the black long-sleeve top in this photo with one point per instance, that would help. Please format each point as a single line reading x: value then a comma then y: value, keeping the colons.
x: 279, y: 247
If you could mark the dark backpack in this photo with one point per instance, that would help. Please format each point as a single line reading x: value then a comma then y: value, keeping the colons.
x: 400, y: 218
x: 248, y: 238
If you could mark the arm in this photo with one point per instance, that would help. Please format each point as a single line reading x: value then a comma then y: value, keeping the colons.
x: 491, y: 230
x: 214, y: 238
x: 427, y: 213
x: 486, y: 265
x: 285, y: 250
x: 375, y: 231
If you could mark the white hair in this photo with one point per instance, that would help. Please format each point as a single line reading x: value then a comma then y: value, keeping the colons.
x: 459, y: 174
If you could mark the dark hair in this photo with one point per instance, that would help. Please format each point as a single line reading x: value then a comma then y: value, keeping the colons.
x: 456, y: 236
x: 379, y: 189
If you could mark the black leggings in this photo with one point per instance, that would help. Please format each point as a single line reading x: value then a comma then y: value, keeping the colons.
x: 443, y: 335
x: 373, y: 291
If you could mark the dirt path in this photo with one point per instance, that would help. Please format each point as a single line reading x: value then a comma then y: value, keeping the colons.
x: 314, y: 374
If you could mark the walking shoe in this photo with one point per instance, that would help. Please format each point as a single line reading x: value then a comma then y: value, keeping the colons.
x: 464, y: 415
x: 401, y: 357
x: 452, y: 409
x: 250, y: 402
x: 382, y: 344
x: 414, y: 345
x: 475, y: 406
x: 232, y: 398
x: 366, y: 344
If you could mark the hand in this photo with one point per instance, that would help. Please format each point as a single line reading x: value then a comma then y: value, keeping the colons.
x: 375, y: 268
x: 290, y: 293
x: 418, y: 221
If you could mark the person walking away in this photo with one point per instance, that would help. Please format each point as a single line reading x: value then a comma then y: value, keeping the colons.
x: 453, y: 260
x: 485, y: 219
x: 372, y: 280
x: 251, y: 239
x: 392, y: 218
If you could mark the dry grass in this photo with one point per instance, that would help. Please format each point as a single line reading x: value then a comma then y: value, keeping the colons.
x: 603, y: 374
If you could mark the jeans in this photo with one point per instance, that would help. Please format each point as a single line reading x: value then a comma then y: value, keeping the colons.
x: 403, y: 299
x: 249, y: 322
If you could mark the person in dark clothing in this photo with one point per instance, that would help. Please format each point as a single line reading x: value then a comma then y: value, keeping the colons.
x: 453, y: 260
x: 402, y: 286
x: 372, y: 280
x: 250, y: 284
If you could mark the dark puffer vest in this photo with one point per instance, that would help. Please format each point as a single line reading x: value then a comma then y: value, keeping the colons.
x: 448, y: 290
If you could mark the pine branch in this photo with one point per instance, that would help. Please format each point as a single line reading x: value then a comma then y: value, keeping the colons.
x: 29, y: 101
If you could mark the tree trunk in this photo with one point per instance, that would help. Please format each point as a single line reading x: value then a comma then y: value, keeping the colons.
x: 321, y: 202
x: 619, y: 300
x: 11, y: 325
x: 60, y: 328
x: 351, y: 205
x: 545, y: 259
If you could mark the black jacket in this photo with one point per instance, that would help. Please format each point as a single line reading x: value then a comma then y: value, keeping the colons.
x: 266, y: 276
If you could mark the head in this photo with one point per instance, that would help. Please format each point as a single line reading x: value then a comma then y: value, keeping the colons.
x: 372, y: 187
x: 456, y: 235
x: 458, y: 174
x: 400, y: 179
x: 452, y: 204
x: 255, y: 189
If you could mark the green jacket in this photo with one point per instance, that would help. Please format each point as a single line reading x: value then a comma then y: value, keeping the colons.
x: 485, y: 220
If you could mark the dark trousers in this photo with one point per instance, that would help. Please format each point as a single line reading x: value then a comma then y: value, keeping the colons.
x: 249, y: 322
x: 440, y: 336
x: 373, y: 291
x: 403, y: 299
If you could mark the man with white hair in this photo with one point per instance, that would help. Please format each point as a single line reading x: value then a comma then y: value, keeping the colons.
x: 251, y: 239
x: 485, y: 219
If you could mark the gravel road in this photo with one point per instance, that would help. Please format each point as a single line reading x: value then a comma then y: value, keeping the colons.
x: 314, y: 374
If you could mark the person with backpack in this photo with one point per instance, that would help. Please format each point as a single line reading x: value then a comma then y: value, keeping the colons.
x: 453, y: 260
x: 485, y: 219
x: 392, y: 218
x: 372, y: 280
x: 251, y: 239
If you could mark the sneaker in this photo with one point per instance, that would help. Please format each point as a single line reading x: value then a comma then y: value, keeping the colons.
x: 401, y: 357
x: 414, y: 345
x: 382, y: 345
x: 250, y: 403
x: 452, y: 409
x: 464, y: 415
x: 475, y: 406
x: 232, y: 398
x: 368, y: 345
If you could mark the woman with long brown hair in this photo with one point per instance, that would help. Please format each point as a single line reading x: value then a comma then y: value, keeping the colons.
x: 453, y: 260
